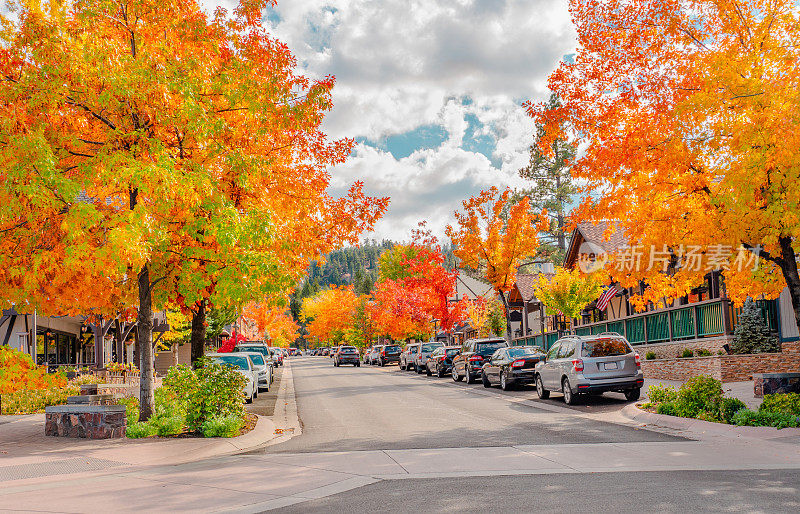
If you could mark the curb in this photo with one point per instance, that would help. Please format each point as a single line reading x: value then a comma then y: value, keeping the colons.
x: 707, y: 428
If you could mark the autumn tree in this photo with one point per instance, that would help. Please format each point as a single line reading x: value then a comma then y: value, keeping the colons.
x: 329, y: 313
x: 567, y: 292
x: 552, y: 187
x: 495, y: 243
x: 151, y: 153
x: 400, y: 312
x: 689, y: 115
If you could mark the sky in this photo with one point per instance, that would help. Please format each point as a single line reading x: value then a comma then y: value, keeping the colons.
x: 432, y: 91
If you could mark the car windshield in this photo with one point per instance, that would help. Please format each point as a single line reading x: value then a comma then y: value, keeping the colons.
x: 257, y: 359
x: 452, y: 351
x: 236, y: 361
x: 489, y: 347
x: 605, y: 348
x: 429, y: 347
x: 516, y: 353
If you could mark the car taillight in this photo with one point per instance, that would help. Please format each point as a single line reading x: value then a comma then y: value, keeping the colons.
x: 383, y: 353
x: 476, y: 358
x: 577, y: 365
x: 638, y: 360
x: 518, y: 364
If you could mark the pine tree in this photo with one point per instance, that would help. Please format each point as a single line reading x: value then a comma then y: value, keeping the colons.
x: 552, y: 187
x: 751, y: 334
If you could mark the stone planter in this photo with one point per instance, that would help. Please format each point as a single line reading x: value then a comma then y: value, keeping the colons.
x: 774, y: 383
x: 85, y: 421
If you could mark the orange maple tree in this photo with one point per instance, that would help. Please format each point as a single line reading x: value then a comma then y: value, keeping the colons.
x: 493, y: 237
x: 329, y: 313
x: 152, y: 153
x: 689, y: 115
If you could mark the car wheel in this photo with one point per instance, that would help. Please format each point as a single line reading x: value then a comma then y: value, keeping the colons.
x: 505, y: 383
x: 468, y: 376
x: 358, y: 364
x: 569, y: 398
x: 418, y: 369
x: 440, y: 372
x: 249, y: 399
x: 402, y: 368
x: 428, y: 371
x: 383, y: 364
x: 633, y: 394
x: 455, y: 375
x: 485, y: 380
x: 541, y: 392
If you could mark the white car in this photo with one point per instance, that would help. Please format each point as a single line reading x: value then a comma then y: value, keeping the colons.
x: 263, y: 369
x: 242, y: 363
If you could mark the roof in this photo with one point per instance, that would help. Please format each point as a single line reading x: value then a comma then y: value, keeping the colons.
x: 472, y: 288
x: 595, y: 234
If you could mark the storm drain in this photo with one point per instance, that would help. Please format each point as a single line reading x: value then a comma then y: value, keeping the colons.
x: 58, y: 467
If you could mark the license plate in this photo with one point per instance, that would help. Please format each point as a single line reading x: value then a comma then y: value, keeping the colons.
x: 610, y: 365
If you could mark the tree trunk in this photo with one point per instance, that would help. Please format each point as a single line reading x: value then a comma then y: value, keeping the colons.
x: 790, y: 274
x: 507, y: 314
x: 198, y: 339
x: 146, y: 383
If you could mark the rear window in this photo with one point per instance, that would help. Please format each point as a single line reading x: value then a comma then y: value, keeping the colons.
x: 489, y: 347
x: 392, y: 348
x: 263, y: 350
x: 452, y: 352
x: 429, y: 347
x: 257, y: 359
x: 605, y: 348
x: 516, y: 353
x: 348, y: 349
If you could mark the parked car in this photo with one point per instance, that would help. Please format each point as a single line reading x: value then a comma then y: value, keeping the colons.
x: 278, y: 355
x: 408, y: 355
x: 440, y: 361
x: 265, y: 351
x: 474, y: 352
x: 512, y: 366
x: 263, y: 369
x: 347, y: 355
x: 374, y: 352
x: 389, y: 353
x: 242, y: 364
x: 425, y: 350
x: 326, y: 352
x: 577, y: 365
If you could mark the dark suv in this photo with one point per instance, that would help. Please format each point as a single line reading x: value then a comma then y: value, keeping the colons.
x: 469, y: 363
x: 347, y: 355
x: 389, y: 354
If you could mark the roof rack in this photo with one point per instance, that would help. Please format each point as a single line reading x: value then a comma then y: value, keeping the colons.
x: 610, y: 334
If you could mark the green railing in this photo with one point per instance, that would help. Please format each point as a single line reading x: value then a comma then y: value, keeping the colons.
x: 683, y: 323
x: 769, y: 312
x: 583, y: 331
x: 657, y: 327
x: 616, y: 326
x: 634, y: 328
x: 709, y: 319
x: 597, y: 329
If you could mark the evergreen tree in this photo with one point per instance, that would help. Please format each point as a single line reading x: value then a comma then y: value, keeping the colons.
x: 552, y: 188
x: 752, y: 334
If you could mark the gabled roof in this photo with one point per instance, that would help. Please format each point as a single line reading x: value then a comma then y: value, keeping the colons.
x: 468, y: 287
x: 595, y: 234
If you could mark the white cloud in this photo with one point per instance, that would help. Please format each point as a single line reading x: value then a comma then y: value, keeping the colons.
x: 404, y: 64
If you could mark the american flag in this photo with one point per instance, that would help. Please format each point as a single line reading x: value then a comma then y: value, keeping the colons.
x: 606, y: 297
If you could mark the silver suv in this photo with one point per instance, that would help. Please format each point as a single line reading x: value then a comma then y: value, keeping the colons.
x: 425, y: 350
x: 578, y: 365
x: 407, y: 358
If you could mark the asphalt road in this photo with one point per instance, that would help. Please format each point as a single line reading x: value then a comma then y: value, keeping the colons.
x: 370, y: 408
x: 671, y: 491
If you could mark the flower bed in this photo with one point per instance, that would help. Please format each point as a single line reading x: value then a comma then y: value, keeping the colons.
x: 702, y: 398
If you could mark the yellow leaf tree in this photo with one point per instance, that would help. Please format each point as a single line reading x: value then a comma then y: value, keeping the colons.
x: 567, y: 292
x: 494, y: 236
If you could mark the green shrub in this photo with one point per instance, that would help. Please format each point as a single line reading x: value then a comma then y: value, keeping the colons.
x: 687, y: 352
x: 32, y: 401
x: 165, y: 426
x: 784, y: 403
x: 745, y: 417
x: 667, y: 408
x: 728, y: 407
x: 702, y: 352
x: 222, y: 426
x: 662, y: 393
x: 131, y: 404
x: 650, y: 355
x: 752, y: 335
x: 139, y: 430
x: 711, y: 416
x: 699, y: 394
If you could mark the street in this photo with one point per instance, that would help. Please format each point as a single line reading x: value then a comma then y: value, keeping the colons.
x: 378, y: 439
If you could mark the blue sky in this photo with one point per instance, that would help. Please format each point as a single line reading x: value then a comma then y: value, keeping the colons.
x: 430, y: 89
